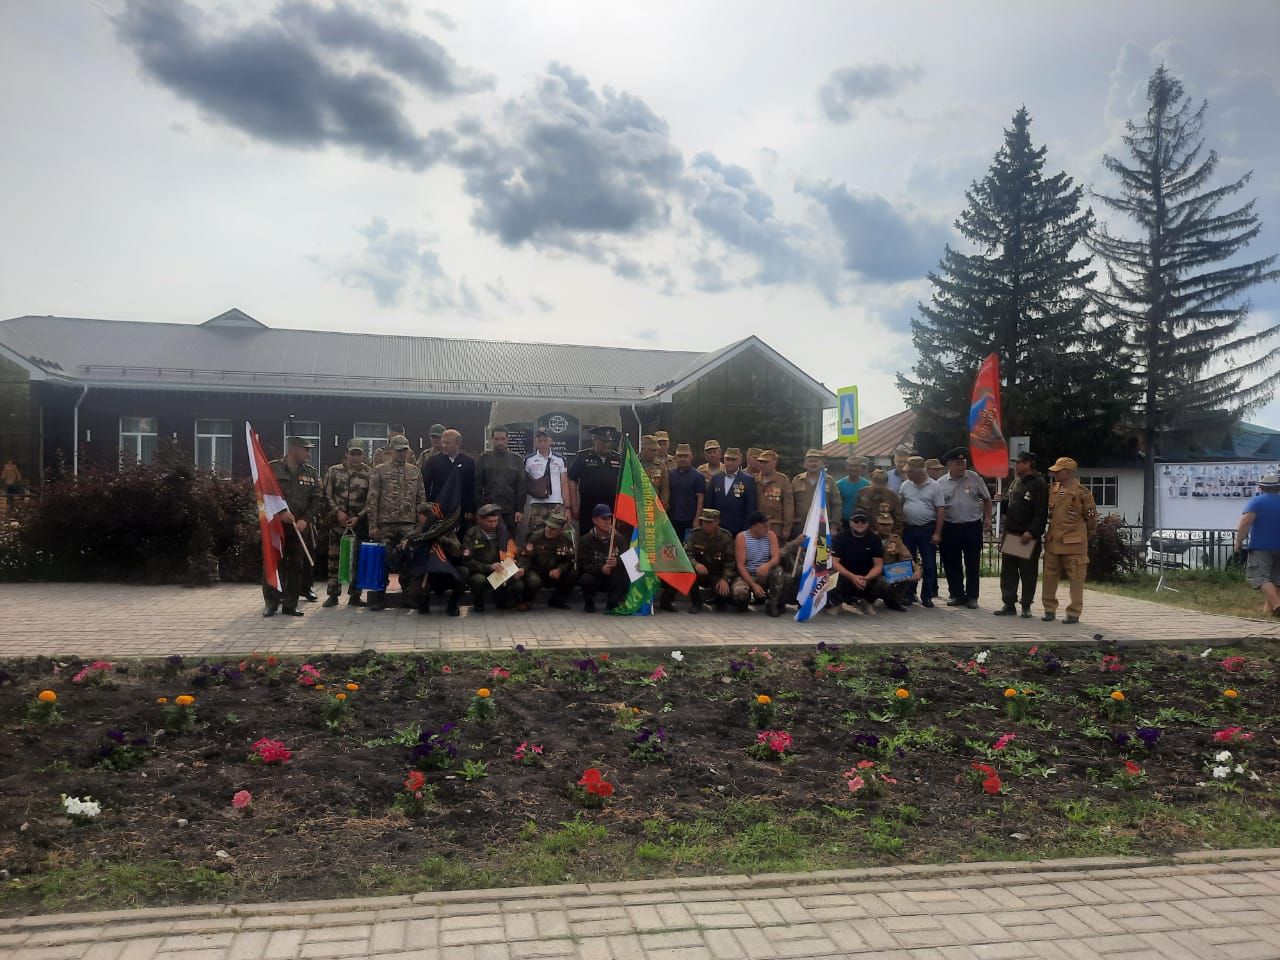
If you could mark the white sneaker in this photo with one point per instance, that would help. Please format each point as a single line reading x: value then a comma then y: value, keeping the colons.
x: 866, y: 608
x: 850, y: 608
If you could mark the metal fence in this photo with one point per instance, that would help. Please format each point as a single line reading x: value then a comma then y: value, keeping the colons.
x: 1169, y: 548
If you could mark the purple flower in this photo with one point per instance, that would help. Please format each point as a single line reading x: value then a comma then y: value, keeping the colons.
x: 174, y: 661
x: 1149, y: 736
x: 586, y: 665
x: 519, y: 648
x: 140, y: 742
x: 116, y: 735
x: 868, y: 740
x: 106, y: 751
x: 1121, y: 738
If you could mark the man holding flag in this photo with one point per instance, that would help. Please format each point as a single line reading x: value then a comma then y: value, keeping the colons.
x: 289, y: 498
x: 816, y: 573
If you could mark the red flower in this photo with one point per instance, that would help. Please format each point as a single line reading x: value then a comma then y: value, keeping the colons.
x: 604, y: 789
x: 1233, y: 664
x: 415, y: 781
x: 1131, y: 768
x: 986, y: 768
x: 589, y: 776
x: 991, y: 784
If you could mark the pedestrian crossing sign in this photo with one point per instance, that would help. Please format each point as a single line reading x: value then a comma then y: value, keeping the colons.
x: 847, y: 420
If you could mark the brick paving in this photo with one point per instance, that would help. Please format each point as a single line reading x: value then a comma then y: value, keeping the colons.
x: 1204, y: 906
x: 115, y: 620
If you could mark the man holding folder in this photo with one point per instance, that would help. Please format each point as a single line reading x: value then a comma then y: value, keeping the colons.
x: 1027, y: 506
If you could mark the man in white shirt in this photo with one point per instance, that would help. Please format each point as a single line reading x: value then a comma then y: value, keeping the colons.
x: 540, y: 464
x: 924, y: 512
x: 968, y: 518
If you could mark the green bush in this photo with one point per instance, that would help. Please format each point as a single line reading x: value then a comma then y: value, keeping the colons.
x: 165, y: 522
x: 1111, y: 559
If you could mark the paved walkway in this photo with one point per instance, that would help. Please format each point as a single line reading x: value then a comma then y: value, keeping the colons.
x: 113, y: 620
x: 1123, y: 909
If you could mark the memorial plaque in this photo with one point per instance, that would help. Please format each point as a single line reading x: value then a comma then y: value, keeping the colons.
x: 519, y: 438
x: 566, y: 433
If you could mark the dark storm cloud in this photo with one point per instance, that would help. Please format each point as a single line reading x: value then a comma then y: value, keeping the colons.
x: 851, y: 85
x: 881, y: 243
x: 273, y: 79
x: 564, y: 161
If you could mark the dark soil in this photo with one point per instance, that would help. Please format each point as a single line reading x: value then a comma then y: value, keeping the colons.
x: 323, y: 825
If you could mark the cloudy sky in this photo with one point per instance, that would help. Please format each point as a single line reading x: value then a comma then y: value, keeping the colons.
x: 662, y: 174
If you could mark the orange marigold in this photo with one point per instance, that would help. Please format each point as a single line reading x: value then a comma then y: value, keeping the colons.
x: 162, y: 700
x: 47, y: 696
x: 341, y: 696
x: 1117, y: 695
x: 483, y: 693
x: 902, y: 693
x: 353, y: 687
x: 1010, y: 692
x: 764, y: 699
x: 1230, y: 694
x: 185, y: 700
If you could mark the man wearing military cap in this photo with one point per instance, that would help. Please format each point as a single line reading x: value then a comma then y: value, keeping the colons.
x: 300, y: 486
x: 484, y: 546
x: 878, y: 501
x: 1073, y: 518
x: 752, y: 464
x: 711, y: 453
x: 968, y: 505
x: 804, y: 484
x: 599, y: 563
x: 436, y: 441
x: 397, y: 504
x: 664, y: 448
x: 773, y: 495
x: 547, y: 561
x: 346, y: 494
x: 733, y: 493
x: 1028, y: 512
x: 655, y: 466
x: 593, y: 478
x: 688, y: 491
x: 383, y: 453
x: 711, y: 551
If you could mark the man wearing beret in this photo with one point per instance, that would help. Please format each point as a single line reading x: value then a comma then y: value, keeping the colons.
x: 300, y: 486
x: 804, y: 484
x: 968, y: 506
x: 1073, y: 518
x: 733, y: 493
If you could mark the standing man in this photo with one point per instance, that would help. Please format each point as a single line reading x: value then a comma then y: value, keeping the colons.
x: 441, y: 466
x: 850, y: 486
x: 898, y: 475
x: 688, y: 491
x: 711, y: 551
x: 774, y: 496
x: 500, y: 479
x: 968, y: 505
x: 397, y: 504
x: 300, y: 487
x: 655, y: 465
x: 803, y: 486
x: 544, y: 474
x: 346, y: 494
x: 924, y: 511
x: 593, y: 478
x: 752, y: 466
x: 1073, y: 518
x: 599, y: 563
x: 1260, y: 522
x: 877, y: 500
x: 934, y: 468
x: 383, y: 453
x: 711, y: 452
x: 733, y: 493
x: 664, y: 449
x: 1026, y: 515
x: 436, y: 439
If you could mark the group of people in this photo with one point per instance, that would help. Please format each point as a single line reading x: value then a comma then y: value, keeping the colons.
x: 506, y: 527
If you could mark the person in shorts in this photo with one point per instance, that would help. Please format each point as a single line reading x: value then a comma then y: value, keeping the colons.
x: 1260, y: 522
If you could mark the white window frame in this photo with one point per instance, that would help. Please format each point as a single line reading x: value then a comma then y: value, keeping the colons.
x: 370, y: 439
x: 205, y: 435
x: 134, y: 438
x: 307, y: 430
x: 1099, y: 485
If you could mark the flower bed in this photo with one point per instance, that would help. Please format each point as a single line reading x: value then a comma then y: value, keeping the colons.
x: 171, y: 781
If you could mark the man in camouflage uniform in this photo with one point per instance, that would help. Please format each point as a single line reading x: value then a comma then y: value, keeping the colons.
x: 383, y: 453
x: 712, y: 468
x: 878, y: 501
x: 896, y: 595
x: 548, y: 562
x: 774, y: 496
x: 435, y: 442
x: 397, y: 505
x: 300, y: 486
x: 664, y: 449
x: 346, y: 493
x: 599, y: 566
x: 500, y: 480
x: 656, y: 467
x: 803, y: 486
x: 710, y: 550
x: 483, y: 548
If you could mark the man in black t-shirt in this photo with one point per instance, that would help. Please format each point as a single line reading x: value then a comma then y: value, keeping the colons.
x: 858, y: 558
x: 593, y: 477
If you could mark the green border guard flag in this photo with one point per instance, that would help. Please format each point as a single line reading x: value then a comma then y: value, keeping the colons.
x: 847, y: 414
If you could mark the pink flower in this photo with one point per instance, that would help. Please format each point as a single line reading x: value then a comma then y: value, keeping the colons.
x: 1234, y: 664
x: 1033, y: 649
x: 499, y: 673
x: 308, y: 676
x: 446, y: 669
x: 856, y: 784
x: 242, y: 799
x: 1003, y: 742
x: 658, y: 674
x: 892, y: 780
x: 272, y: 751
x: 863, y: 764
x: 779, y: 741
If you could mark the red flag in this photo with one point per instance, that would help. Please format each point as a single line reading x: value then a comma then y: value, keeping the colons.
x: 271, y: 504
x: 988, y: 451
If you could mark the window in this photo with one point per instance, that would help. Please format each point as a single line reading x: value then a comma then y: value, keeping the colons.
x: 1103, y: 489
x: 213, y: 446
x: 137, y: 439
x: 308, y: 430
x: 372, y: 436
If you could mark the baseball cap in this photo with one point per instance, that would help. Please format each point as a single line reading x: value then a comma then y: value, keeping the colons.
x: 1064, y: 463
x: 601, y: 510
x: 437, y: 429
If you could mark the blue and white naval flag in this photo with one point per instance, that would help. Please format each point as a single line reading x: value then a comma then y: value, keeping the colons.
x: 816, y: 574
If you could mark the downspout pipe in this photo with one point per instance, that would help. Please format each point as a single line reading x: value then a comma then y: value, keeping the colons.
x: 75, y: 432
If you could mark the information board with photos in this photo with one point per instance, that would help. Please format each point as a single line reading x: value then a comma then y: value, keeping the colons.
x: 1206, y: 496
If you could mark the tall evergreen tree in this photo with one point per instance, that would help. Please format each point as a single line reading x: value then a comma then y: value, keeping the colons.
x: 1194, y: 361
x: 1022, y: 293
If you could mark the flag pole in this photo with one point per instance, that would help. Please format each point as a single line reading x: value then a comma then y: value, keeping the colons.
x: 302, y: 541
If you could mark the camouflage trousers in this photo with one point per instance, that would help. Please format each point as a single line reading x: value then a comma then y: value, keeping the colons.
x: 740, y: 590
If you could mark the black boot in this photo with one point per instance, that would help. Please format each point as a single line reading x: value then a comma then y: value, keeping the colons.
x: 589, y: 605
x: 424, y: 605
x: 270, y: 607
x: 331, y: 600
x: 453, y: 610
x: 1007, y: 610
x: 355, y: 601
x: 477, y: 604
x: 377, y: 600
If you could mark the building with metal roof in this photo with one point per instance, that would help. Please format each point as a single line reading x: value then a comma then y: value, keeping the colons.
x: 76, y: 389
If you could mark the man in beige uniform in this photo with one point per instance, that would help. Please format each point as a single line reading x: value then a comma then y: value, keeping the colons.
x: 774, y: 496
x: 802, y: 487
x: 664, y: 449
x: 656, y: 467
x: 713, y: 467
x: 1073, y: 518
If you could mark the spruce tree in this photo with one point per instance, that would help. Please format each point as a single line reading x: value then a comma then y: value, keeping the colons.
x: 1194, y: 361
x: 1022, y: 293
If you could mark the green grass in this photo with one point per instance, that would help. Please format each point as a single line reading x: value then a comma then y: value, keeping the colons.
x: 106, y: 885
x: 1209, y: 591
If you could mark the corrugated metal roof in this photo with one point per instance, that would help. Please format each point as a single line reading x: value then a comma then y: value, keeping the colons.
x: 171, y: 354
x: 876, y: 439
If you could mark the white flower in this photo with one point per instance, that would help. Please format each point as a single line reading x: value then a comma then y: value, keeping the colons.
x: 982, y: 657
x: 1223, y: 757
x: 677, y: 656
x: 1239, y: 768
x: 1253, y: 776
x: 1206, y: 653
x: 1220, y: 773
x: 75, y: 807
